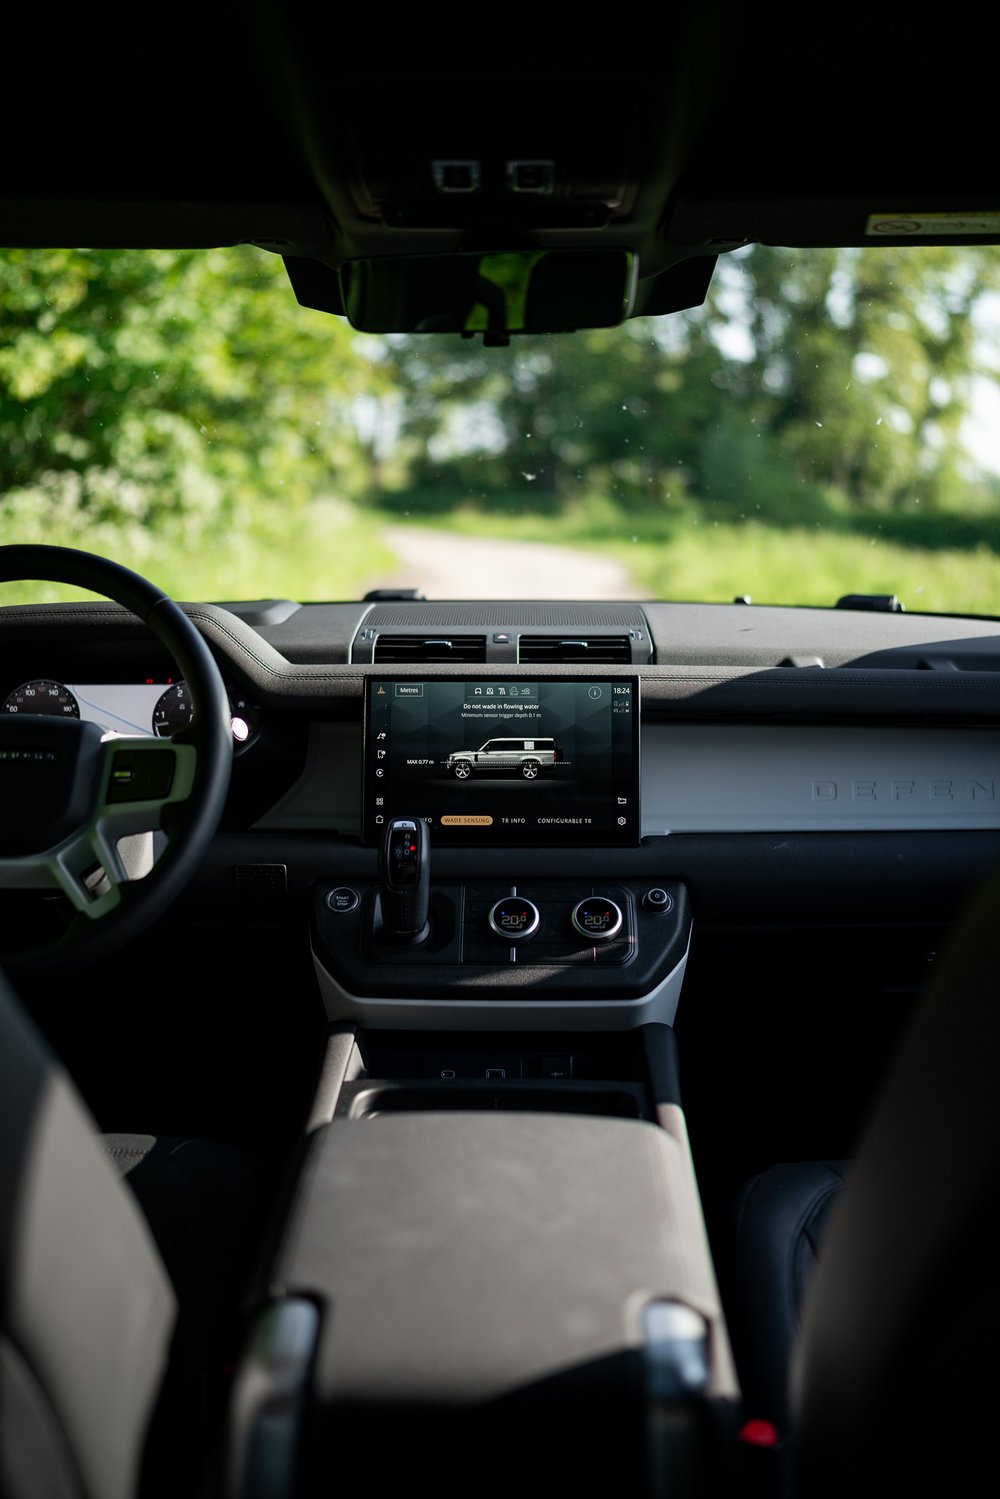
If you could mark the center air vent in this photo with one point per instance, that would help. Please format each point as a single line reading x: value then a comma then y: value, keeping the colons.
x: 596, y: 649
x: 430, y: 648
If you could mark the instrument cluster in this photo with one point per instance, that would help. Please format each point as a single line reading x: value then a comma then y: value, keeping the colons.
x: 153, y: 709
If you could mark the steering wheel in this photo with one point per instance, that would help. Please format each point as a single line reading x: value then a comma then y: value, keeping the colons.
x: 68, y: 794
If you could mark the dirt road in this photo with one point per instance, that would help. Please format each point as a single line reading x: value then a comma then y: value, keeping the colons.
x: 445, y: 566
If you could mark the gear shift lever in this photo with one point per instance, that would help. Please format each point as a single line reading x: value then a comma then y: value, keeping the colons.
x: 405, y: 880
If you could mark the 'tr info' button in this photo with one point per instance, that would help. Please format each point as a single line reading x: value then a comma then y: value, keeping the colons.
x: 466, y: 822
x: 409, y: 689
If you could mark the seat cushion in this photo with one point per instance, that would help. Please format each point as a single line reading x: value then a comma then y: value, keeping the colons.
x: 202, y: 1201
x: 781, y: 1216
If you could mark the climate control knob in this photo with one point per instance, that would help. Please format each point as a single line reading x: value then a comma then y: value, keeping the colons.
x: 514, y: 918
x: 597, y: 918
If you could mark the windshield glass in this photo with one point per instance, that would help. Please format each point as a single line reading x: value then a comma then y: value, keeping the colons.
x: 826, y: 424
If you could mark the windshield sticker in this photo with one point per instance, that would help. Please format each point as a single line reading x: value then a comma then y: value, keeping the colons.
x: 933, y: 223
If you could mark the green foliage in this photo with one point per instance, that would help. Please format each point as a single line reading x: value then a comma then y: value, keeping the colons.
x: 861, y: 366
x: 694, y: 556
x: 609, y: 408
x: 742, y: 476
x: 331, y: 552
x: 138, y: 387
x: 715, y: 561
x: 162, y: 403
x: 811, y: 384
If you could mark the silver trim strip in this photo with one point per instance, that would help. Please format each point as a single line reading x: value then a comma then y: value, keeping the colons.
x: 492, y: 1014
x: 746, y: 778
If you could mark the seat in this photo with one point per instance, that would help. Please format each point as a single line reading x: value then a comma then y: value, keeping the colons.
x: 868, y: 1314
x: 780, y: 1220
x: 120, y: 1265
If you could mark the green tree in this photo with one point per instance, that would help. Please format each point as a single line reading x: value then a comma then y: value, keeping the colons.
x: 862, y: 364
x: 620, y: 411
x: 812, y: 384
x: 137, y: 386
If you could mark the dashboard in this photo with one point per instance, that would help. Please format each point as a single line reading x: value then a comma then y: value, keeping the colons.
x: 817, y: 770
x: 812, y: 798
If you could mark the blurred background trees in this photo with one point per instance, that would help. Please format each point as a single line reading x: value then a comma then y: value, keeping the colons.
x: 185, y: 393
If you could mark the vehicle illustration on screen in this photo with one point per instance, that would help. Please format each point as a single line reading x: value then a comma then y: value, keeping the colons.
x: 529, y: 756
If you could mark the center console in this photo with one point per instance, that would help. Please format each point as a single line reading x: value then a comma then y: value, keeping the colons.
x: 494, y: 1269
x: 506, y: 953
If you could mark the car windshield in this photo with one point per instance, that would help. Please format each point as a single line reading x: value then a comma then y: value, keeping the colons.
x: 824, y: 425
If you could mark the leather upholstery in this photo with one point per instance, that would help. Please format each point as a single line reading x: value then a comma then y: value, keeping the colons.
x: 781, y: 1216
x: 121, y: 1261
x: 868, y: 1313
x: 86, y: 1309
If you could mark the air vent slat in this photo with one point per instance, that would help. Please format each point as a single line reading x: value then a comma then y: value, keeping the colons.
x: 437, y: 648
x: 603, y: 650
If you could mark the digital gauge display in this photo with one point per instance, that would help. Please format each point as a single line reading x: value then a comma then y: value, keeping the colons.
x: 43, y: 697
x: 142, y: 709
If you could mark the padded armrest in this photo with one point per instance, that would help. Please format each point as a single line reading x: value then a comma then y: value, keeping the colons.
x: 466, y: 1261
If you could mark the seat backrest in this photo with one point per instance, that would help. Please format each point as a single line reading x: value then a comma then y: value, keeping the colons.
x: 895, y: 1375
x: 86, y: 1309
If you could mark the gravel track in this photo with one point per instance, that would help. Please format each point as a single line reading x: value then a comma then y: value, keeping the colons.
x: 443, y: 565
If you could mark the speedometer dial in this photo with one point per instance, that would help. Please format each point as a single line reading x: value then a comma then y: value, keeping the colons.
x: 42, y: 697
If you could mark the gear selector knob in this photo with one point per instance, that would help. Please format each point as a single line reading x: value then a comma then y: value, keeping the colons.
x: 405, y: 878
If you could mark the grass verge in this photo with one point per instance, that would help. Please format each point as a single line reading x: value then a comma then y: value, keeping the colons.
x: 690, y: 557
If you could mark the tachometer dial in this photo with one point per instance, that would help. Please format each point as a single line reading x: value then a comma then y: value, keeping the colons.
x: 42, y: 697
x: 173, y: 712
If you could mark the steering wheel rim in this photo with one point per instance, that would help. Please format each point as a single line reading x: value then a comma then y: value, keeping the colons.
x: 204, y: 751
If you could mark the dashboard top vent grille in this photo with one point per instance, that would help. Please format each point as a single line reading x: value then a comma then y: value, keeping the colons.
x: 402, y: 648
x: 599, y: 649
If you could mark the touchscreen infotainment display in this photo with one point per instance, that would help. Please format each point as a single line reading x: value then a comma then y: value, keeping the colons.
x: 484, y: 760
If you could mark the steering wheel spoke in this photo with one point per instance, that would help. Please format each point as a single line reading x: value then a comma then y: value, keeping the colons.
x: 90, y: 873
x: 71, y: 800
x: 139, y: 779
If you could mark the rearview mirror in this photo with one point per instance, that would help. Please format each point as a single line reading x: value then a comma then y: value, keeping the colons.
x: 520, y: 291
